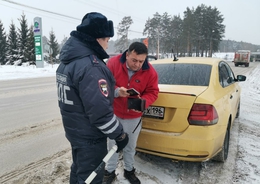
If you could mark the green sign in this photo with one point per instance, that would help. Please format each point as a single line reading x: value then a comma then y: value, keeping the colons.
x: 38, y: 48
x: 37, y: 29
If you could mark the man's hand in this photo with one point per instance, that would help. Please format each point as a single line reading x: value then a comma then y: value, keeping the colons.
x: 122, y: 92
x: 136, y: 111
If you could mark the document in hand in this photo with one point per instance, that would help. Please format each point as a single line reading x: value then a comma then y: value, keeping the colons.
x: 136, y: 104
x: 132, y: 92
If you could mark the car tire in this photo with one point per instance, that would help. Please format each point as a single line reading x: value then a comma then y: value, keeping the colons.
x: 223, y: 154
x: 238, y: 110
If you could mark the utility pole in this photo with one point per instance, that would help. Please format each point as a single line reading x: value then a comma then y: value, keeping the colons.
x: 158, y: 44
x: 210, y: 43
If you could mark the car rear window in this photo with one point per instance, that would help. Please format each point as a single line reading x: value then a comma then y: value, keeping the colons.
x: 183, y: 74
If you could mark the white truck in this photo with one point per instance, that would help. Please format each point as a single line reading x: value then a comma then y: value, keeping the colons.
x: 242, y: 57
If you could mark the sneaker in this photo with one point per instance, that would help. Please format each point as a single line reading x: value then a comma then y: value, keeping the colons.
x: 109, y: 177
x: 130, y: 176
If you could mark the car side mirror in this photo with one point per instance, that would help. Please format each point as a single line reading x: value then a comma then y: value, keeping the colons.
x: 241, y: 78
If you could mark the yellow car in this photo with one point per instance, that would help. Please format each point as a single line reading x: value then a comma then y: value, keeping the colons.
x: 198, y: 101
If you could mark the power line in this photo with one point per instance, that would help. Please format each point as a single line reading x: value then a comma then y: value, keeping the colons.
x: 46, y: 11
x: 109, y: 9
x: 114, y: 11
x: 54, y: 13
x: 38, y: 13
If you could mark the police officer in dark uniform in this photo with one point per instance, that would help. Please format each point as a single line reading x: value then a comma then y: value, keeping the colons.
x: 85, y: 95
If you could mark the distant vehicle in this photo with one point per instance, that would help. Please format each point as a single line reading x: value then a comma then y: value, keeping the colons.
x: 191, y: 120
x: 257, y: 57
x: 242, y: 57
x: 151, y: 58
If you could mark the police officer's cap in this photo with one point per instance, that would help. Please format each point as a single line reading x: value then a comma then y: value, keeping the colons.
x: 96, y: 25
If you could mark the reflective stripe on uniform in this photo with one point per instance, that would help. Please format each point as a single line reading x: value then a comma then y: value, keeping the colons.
x: 112, y: 129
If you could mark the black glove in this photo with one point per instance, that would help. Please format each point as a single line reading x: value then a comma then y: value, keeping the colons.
x: 121, y: 142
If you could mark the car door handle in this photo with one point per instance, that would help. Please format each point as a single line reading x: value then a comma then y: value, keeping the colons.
x: 231, y: 96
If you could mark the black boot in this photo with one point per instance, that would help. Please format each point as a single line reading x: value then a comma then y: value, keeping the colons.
x: 109, y: 177
x: 130, y: 176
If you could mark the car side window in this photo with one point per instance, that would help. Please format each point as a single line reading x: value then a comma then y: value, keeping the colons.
x: 230, y: 73
x: 226, y: 76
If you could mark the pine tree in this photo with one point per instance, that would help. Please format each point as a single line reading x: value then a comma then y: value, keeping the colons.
x: 176, y: 26
x: 54, y: 47
x: 12, y: 53
x: 188, y: 30
x: 154, y: 30
x: 198, y: 37
x: 200, y: 31
x: 203, y: 30
x: 123, y: 27
x: 3, y: 44
x: 23, y: 39
x: 216, y: 31
x: 63, y: 41
x: 147, y: 32
x: 166, y: 34
x: 30, y: 46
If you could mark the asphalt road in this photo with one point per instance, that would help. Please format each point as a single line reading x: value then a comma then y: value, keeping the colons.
x: 30, y: 125
x: 242, y: 69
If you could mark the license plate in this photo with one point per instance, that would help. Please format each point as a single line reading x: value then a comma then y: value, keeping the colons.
x: 154, y: 112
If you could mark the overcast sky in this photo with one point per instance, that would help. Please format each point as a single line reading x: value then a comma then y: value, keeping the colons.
x: 242, y: 17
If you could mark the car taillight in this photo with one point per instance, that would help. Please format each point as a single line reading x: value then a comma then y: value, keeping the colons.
x: 203, y: 114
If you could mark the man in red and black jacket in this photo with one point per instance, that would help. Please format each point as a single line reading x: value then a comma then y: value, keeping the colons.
x: 131, y: 70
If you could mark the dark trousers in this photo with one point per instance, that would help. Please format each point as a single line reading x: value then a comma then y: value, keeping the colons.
x: 85, y: 160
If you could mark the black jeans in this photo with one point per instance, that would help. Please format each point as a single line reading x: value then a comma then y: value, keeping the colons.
x: 85, y: 160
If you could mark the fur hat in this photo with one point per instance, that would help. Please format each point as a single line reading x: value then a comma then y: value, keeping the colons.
x: 96, y: 25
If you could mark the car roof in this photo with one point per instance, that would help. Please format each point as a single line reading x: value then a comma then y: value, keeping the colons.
x: 198, y: 60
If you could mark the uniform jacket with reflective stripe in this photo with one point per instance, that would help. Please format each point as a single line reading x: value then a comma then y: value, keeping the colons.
x: 85, y: 94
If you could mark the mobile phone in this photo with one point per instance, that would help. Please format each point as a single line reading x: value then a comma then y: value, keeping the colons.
x: 132, y: 92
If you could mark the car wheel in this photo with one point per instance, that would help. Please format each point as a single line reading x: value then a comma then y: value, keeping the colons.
x: 223, y: 154
x: 238, y: 110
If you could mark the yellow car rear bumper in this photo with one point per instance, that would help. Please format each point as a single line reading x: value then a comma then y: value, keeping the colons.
x: 197, y: 143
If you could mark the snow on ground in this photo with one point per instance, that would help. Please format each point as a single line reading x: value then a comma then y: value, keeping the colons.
x: 9, y: 72
x: 228, y: 56
x: 161, y: 170
x: 248, y: 158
